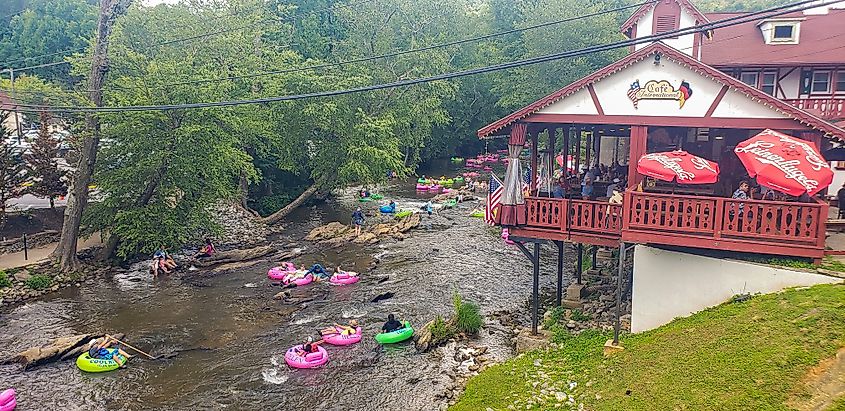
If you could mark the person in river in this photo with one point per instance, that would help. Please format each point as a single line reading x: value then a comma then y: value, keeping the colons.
x: 309, y: 346
x: 358, y: 220
x: 336, y: 328
x: 318, y: 272
x: 101, y: 350
x: 158, y: 264
x: 206, y: 250
x: 391, y: 324
x: 167, y: 259
x: 338, y: 270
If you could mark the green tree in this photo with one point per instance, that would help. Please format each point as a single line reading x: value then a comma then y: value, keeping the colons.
x: 53, y: 29
x: 48, y: 179
x: 12, y: 168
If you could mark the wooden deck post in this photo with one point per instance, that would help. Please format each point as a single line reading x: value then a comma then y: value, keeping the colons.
x: 617, y: 327
x: 565, y: 151
x: 637, y: 148
x: 532, y: 185
x: 593, y: 257
x: 579, y: 270
x: 560, y: 251
x: 535, y: 297
x: 587, y: 149
x: 578, y: 151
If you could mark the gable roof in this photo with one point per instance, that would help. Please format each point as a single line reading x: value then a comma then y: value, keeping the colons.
x: 787, y: 109
x: 820, y: 42
x: 645, y: 8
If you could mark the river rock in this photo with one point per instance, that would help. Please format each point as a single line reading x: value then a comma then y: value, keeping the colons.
x: 234, y: 256
x: 22, y: 275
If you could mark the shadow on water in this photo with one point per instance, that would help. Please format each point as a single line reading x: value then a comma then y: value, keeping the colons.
x: 223, y: 340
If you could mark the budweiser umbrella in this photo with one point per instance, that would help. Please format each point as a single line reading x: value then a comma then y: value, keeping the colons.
x: 679, y: 166
x: 784, y: 163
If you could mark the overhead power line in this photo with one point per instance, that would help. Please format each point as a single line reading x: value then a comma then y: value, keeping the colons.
x: 180, y: 40
x: 400, y: 52
x: 391, y: 54
x: 732, y: 21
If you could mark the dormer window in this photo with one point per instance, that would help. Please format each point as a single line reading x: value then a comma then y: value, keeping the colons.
x: 781, y: 31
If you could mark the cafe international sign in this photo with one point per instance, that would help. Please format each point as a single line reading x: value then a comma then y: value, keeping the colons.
x: 659, y: 90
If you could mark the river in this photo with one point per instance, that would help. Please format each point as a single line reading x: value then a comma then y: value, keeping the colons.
x: 226, y: 334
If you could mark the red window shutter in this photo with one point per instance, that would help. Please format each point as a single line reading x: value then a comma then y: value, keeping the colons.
x: 666, y: 23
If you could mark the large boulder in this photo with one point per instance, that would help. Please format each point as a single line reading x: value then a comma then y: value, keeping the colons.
x: 335, y: 234
x: 328, y: 231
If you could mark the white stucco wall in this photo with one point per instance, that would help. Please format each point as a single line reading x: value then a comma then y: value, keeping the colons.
x: 790, y: 83
x: 579, y: 103
x: 612, y: 94
x: 683, y: 43
x: 670, y: 284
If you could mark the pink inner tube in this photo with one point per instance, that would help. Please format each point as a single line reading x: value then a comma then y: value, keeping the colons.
x: 340, y: 339
x: 343, y: 278
x: 434, y: 187
x: 422, y: 187
x: 279, y: 273
x: 8, y: 402
x: 299, y: 281
x: 310, y: 360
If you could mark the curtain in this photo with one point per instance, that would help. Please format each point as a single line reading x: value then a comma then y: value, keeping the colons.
x: 545, y: 173
x: 512, y: 211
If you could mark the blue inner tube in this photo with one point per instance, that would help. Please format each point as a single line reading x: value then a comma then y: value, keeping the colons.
x: 387, y: 209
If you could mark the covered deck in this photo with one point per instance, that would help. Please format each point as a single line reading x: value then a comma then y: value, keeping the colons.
x: 753, y: 226
x: 600, y: 122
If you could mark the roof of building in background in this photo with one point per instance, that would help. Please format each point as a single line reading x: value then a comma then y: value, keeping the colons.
x: 821, y: 41
x: 645, y: 8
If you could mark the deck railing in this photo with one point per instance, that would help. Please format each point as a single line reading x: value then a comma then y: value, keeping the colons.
x: 694, y: 221
x: 826, y: 108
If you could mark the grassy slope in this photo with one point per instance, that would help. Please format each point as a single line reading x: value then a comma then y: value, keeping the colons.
x: 742, y: 356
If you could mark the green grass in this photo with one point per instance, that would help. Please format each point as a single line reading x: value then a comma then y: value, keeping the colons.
x: 467, y: 318
x: 738, y: 356
x: 39, y: 282
x: 4, y: 280
x: 838, y: 405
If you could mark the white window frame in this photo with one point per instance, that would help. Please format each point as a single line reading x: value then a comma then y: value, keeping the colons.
x: 762, y: 77
x: 756, y: 77
x: 791, y: 40
x: 840, y: 73
x: 813, y: 82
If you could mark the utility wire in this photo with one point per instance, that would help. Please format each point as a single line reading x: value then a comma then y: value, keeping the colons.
x: 732, y: 21
x: 184, y: 39
x: 391, y: 54
x: 401, y: 52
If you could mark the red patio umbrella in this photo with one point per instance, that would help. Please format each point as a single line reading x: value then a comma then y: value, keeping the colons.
x: 679, y: 166
x: 785, y: 163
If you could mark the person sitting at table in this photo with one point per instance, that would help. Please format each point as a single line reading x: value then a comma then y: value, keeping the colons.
x: 561, y: 188
x: 614, y: 186
x: 587, y: 187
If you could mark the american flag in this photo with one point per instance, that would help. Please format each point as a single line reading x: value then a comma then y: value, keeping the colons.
x: 632, y: 92
x: 494, y: 195
x: 526, y: 180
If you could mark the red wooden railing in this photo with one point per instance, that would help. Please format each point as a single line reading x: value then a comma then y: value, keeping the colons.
x: 693, y: 221
x: 595, y: 217
x: 826, y: 108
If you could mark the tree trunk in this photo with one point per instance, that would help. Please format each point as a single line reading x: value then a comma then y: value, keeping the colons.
x: 243, y: 185
x: 77, y: 199
x: 279, y: 215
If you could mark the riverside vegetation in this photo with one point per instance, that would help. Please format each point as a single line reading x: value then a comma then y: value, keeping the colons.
x: 757, y: 354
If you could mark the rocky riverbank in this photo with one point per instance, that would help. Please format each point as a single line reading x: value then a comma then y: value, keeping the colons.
x: 43, y: 278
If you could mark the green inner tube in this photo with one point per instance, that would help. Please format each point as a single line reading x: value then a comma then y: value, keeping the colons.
x: 477, y: 214
x: 457, y: 159
x: 376, y: 196
x: 366, y: 199
x: 404, y: 213
x: 399, y: 335
x: 459, y: 179
x: 88, y: 364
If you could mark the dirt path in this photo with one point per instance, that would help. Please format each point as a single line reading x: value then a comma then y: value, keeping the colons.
x: 14, y: 260
x: 826, y: 384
